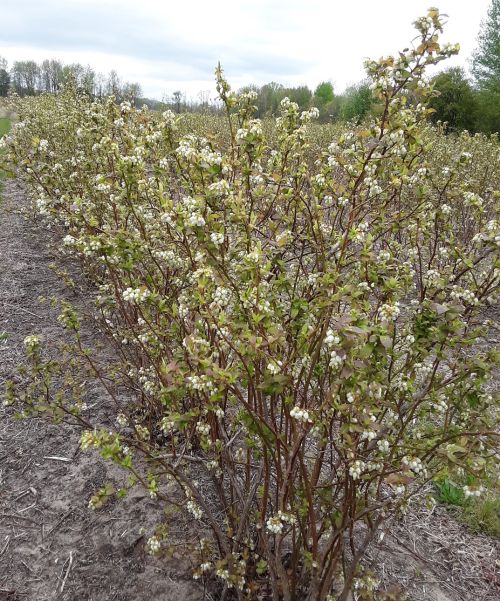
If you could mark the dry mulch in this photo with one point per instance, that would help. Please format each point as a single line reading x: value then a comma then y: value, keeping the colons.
x: 53, y: 547
x: 432, y: 557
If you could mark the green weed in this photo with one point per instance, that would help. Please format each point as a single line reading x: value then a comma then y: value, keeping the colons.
x: 4, y: 126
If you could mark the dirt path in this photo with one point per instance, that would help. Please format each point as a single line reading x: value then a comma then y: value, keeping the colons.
x: 51, y: 545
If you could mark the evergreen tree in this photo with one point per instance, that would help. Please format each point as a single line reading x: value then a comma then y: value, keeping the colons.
x: 486, y: 70
x: 486, y: 60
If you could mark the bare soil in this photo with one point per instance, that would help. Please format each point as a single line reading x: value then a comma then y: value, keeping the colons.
x: 53, y: 547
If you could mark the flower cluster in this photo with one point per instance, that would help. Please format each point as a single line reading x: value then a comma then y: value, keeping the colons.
x: 301, y: 415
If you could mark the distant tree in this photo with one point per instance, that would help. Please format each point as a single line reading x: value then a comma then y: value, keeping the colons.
x: 51, y: 75
x: 74, y: 72
x: 486, y: 58
x: 488, y: 113
x: 177, y: 100
x: 357, y: 102
x: 131, y: 91
x: 323, y: 94
x: 4, y: 77
x: 302, y: 95
x: 4, y: 82
x: 113, y: 84
x: 323, y: 99
x: 204, y: 97
x: 25, y: 77
x: 486, y: 70
x: 456, y: 102
x: 99, y: 85
x: 270, y: 96
x: 88, y: 81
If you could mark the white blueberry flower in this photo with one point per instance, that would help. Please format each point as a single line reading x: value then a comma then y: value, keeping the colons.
x: 274, y: 525
x: 203, y: 429
x: 335, y: 360
x: 135, y: 295
x: 473, y: 491
x: 389, y: 312
x: 331, y: 338
x: 31, y: 342
x: 217, y: 238
x: 357, y: 469
x: 274, y: 367
x: 383, y: 446
x: 153, y: 545
x: 301, y: 415
x: 194, y: 509
x: 415, y: 464
x: 121, y: 420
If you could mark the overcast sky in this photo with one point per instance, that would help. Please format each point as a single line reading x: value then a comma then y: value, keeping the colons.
x: 175, y: 45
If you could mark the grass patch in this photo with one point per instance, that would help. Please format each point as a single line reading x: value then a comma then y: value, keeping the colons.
x: 480, y: 514
x: 4, y: 126
x: 4, y: 129
x: 483, y: 515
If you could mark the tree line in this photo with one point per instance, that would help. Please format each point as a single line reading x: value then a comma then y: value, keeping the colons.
x: 29, y: 78
x: 462, y: 101
x: 354, y: 103
x: 474, y: 103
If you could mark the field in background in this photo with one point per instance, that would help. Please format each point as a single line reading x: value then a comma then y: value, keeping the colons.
x: 4, y: 126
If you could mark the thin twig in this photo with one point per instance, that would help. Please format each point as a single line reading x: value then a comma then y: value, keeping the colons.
x: 67, y: 571
x: 21, y: 309
x: 59, y: 523
x: 17, y: 517
x: 5, y: 546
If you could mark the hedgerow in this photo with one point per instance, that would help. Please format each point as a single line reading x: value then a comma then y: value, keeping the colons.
x: 300, y: 323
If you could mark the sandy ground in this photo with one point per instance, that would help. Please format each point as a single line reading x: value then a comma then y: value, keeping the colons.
x: 53, y: 547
